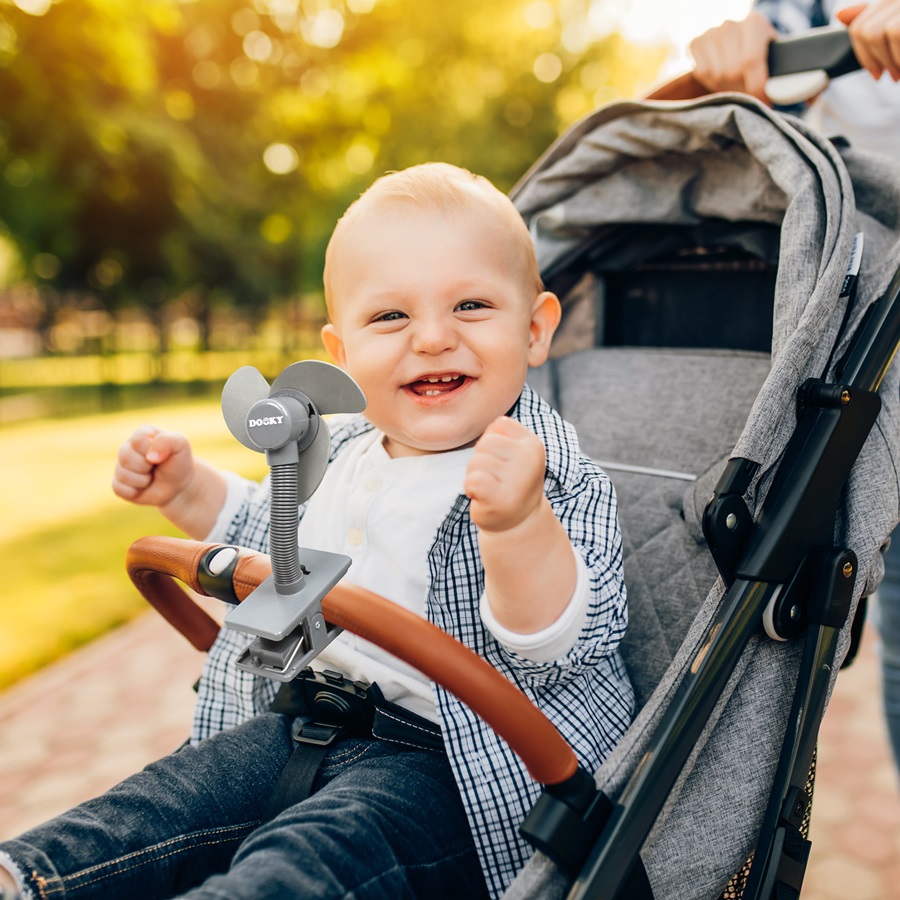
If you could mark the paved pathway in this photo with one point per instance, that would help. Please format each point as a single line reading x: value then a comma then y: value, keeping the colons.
x: 80, y: 726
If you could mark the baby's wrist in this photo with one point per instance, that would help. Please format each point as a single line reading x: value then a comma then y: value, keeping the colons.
x: 522, y: 528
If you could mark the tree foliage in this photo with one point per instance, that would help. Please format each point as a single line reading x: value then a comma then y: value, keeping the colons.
x: 207, y: 146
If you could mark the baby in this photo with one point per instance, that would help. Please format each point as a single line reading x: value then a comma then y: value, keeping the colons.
x: 459, y: 494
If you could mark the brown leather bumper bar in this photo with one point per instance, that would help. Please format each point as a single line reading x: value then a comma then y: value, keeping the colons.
x: 153, y: 563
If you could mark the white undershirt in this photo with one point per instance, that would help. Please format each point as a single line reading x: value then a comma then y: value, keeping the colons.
x: 384, y: 513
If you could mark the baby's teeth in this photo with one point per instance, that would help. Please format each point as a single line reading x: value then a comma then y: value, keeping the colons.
x: 447, y: 378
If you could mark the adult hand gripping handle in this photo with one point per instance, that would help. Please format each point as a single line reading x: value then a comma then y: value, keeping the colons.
x: 826, y: 48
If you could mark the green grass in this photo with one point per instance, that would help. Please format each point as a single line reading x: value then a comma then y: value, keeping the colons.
x: 63, y: 535
x: 67, y: 585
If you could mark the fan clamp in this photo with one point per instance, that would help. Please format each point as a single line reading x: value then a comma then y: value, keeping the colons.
x: 283, y: 615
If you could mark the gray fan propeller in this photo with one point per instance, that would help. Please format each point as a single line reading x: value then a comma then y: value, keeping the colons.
x: 284, y: 422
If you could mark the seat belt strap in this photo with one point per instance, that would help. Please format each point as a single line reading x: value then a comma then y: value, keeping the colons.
x: 295, y: 783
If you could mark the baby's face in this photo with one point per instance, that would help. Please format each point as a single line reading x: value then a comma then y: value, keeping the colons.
x: 432, y: 315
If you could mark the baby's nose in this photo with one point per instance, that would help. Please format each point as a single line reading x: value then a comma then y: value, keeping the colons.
x: 433, y: 336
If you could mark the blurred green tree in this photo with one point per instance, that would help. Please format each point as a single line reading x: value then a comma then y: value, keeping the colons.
x: 204, y: 148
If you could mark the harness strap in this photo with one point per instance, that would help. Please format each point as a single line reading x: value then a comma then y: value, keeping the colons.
x: 296, y: 779
x: 326, y: 706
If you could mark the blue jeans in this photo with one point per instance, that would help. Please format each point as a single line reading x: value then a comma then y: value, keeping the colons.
x: 382, y: 822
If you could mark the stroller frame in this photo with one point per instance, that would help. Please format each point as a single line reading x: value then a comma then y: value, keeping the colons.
x: 756, y: 559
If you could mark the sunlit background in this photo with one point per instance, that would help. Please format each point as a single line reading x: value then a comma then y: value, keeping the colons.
x: 170, y: 171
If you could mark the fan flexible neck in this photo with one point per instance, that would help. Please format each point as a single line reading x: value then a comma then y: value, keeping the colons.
x: 283, y: 521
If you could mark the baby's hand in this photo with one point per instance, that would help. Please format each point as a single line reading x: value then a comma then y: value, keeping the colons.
x: 505, y: 477
x: 153, y: 467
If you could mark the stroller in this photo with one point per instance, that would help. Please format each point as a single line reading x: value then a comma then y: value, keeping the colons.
x: 725, y: 356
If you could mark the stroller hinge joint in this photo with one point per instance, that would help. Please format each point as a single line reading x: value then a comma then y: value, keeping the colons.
x: 727, y: 522
x: 817, y: 393
x: 821, y: 593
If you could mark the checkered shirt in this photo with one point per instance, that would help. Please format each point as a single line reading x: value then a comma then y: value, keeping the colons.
x: 586, y: 694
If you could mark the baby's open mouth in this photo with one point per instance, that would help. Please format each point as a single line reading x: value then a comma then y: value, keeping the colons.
x: 434, y: 385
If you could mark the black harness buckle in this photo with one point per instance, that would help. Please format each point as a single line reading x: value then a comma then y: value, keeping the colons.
x: 305, y: 731
x: 325, y: 703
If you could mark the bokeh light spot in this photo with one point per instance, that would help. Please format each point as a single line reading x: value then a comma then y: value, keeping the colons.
x: 112, y: 138
x: 594, y: 74
x: 539, y: 15
x: 244, y: 21
x: 7, y: 38
x: 244, y: 73
x: 547, y: 67
x: 179, y: 104
x: 207, y: 74
x: 576, y: 38
x: 257, y: 45
x: 107, y: 273
x: 276, y: 228
x: 46, y: 265
x: 280, y: 159
x: 200, y: 41
x: 332, y: 174
x: 19, y: 173
x: 324, y: 29
x: 314, y: 83
x: 360, y: 156
x: 34, y: 7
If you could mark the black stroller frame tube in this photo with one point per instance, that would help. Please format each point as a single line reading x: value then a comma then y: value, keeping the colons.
x: 788, y: 800
x: 822, y: 446
x: 638, y: 807
x: 876, y: 343
x: 868, y: 359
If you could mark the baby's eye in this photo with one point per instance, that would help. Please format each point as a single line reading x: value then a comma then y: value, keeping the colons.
x: 468, y: 305
x: 391, y: 316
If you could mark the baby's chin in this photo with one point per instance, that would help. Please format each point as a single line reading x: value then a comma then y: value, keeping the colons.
x: 397, y: 447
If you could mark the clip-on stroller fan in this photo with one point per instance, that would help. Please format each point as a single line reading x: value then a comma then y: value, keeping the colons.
x: 284, y: 614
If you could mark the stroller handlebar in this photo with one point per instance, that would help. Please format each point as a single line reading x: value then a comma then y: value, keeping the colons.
x: 153, y: 564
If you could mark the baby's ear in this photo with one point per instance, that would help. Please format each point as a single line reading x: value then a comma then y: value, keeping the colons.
x: 333, y: 344
x: 545, y: 316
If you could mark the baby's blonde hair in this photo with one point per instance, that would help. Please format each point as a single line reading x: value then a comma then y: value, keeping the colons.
x: 441, y: 187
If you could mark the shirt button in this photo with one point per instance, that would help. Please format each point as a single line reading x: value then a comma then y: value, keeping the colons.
x: 354, y: 537
x: 373, y: 482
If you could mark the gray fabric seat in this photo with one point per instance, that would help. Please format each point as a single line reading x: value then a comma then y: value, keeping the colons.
x: 724, y: 159
x: 677, y: 414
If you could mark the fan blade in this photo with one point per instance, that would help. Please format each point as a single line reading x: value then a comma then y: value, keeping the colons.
x: 331, y: 389
x: 243, y: 388
x: 313, y: 463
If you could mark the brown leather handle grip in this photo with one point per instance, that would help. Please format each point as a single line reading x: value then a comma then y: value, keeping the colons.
x: 153, y: 562
x: 685, y: 87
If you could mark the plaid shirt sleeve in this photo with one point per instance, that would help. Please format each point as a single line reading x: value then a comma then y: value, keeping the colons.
x: 583, y: 499
x: 227, y: 696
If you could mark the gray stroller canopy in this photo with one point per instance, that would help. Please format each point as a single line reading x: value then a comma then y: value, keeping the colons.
x: 721, y: 164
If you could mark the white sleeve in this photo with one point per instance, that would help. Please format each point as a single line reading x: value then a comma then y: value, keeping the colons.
x: 555, y: 640
x: 235, y: 496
